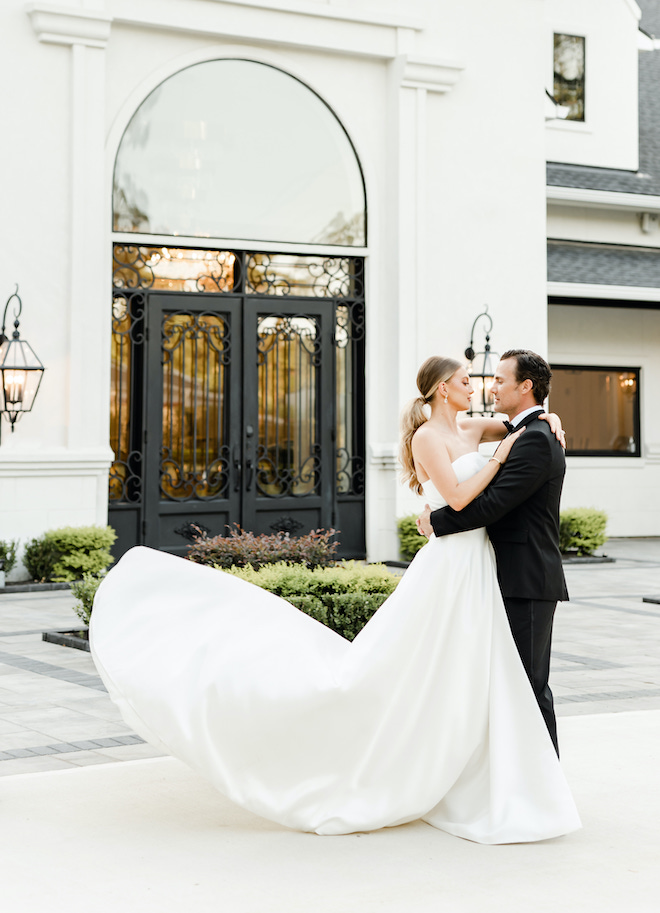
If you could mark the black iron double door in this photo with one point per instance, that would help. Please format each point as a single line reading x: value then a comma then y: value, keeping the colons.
x: 239, y: 417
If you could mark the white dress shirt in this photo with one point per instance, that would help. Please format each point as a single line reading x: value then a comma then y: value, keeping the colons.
x: 517, y: 419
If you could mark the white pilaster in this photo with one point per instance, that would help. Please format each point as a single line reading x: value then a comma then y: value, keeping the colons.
x: 86, y: 32
x: 411, y: 79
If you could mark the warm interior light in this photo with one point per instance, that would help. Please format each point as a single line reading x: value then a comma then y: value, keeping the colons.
x: 628, y: 383
x: 14, y: 384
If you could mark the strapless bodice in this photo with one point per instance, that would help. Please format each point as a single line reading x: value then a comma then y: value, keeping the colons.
x: 464, y: 467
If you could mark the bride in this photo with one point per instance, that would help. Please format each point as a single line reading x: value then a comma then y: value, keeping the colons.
x: 427, y: 714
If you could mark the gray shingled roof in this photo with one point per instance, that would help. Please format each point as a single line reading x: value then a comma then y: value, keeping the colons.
x: 650, y: 21
x: 647, y: 179
x: 603, y: 264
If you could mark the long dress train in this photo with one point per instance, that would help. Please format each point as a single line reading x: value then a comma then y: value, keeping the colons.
x: 428, y: 713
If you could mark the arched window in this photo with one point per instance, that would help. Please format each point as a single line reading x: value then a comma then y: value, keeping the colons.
x: 238, y: 149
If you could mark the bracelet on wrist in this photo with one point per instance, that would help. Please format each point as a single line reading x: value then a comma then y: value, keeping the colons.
x: 496, y: 460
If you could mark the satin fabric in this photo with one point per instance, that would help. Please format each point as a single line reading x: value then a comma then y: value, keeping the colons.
x: 428, y: 713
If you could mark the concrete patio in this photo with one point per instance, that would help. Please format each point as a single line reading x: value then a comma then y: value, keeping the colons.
x: 95, y: 820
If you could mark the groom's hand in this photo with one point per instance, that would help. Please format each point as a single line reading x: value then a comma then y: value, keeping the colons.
x: 424, y: 527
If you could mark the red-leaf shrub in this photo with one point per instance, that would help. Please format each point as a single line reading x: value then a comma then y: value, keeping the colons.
x: 239, y: 548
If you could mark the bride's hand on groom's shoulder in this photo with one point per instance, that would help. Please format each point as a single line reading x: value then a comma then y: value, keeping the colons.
x: 424, y: 527
x: 555, y: 426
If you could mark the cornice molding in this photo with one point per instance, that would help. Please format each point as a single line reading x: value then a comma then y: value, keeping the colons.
x: 433, y: 75
x: 337, y: 13
x: 652, y: 453
x: 606, y: 292
x: 603, y: 199
x: 384, y: 456
x: 55, y: 463
x: 299, y: 24
x: 68, y: 25
x: 332, y: 29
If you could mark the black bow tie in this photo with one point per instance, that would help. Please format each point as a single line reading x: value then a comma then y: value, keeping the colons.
x: 508, y: 426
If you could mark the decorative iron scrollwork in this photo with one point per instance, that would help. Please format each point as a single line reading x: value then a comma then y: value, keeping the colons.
x: 278, y: 476
x: 297, y: 329
x: 209, y: 328
x: 286, y: 525
x: 179, y: 482
x: 192, y: 530
x: 350, y: 473
x: 130, y: 269
x: 304, y: 276
x: 125, y: 479
x: 174, y: 269
x: 349, y: 323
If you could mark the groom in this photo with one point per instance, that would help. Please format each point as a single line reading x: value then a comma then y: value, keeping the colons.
x: 520, y: 509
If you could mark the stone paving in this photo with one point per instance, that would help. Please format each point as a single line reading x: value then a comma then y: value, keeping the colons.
x: 55, y: 714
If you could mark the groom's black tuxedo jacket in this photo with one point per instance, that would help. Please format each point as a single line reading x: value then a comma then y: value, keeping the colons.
x: 520, y: 509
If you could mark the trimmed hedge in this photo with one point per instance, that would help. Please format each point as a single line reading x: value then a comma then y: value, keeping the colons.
x: 582, y: 528
x: 343, y: 597
x: 240, y: 548
x: 85, y: 590
x: 69, y: 552
x: 8, y: 553
x: 410, y: 540
x: 40, y: 557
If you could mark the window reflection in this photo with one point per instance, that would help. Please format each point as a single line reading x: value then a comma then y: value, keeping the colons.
x: 599, y: 408
x: 238, y: 149
x: 194, y: 451
x: 569, y: 74
x: 288, y: 376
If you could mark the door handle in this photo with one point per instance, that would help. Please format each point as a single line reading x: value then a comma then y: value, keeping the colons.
x: 238, y: 467
x: 249, y: 470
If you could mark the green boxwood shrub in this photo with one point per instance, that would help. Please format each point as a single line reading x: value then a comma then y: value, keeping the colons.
x: 343, y: 597
x: 68, y: 553
x: 40, y: 557
x: 239, y: 548
x: 582, y: 528
x: 85, y: 590
x: 8, y: 553
x: 410, y: 541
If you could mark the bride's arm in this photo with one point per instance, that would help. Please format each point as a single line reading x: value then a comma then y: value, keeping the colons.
x: 494, y: 429
x: 431, y: 455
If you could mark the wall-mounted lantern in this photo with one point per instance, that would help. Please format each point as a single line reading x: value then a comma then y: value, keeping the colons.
x: 20, y: 369
x: 482, y: 370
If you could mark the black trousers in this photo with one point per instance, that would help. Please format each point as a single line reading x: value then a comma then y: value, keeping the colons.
x: 531, y: 626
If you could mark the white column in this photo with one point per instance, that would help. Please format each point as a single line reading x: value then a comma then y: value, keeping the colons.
x: 411, y: 79
x: 86, y: 31
x: 89, y: 367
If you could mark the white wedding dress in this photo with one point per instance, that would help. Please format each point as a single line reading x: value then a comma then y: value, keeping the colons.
x: 428, y: 713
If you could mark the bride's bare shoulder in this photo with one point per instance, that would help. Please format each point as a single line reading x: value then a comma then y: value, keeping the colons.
x: 473, y: 425
x: 428, y: 432
x: 428, y: 443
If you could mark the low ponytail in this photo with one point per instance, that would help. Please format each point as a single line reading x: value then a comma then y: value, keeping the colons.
x: 412, y: 417
x: 434, y: 371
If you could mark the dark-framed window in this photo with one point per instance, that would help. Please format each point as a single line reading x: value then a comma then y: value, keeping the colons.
x: 569, y: 74
x: 599, y: 408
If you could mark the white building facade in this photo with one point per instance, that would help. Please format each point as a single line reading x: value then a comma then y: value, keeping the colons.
x: 300, y: 201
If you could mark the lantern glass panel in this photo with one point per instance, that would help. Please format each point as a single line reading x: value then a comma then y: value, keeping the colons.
x: 21, y: 373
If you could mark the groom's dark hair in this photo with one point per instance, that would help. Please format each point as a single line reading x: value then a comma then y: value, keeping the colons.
x: 531, y: 366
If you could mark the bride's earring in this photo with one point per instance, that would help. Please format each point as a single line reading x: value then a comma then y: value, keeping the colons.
x: 446, y: 397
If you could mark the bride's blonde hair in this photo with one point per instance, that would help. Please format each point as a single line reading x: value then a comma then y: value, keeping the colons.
x: 434, y: 371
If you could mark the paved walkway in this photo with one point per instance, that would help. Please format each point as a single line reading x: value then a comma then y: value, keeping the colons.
x: 55, y: 714
x: 150, y: 835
